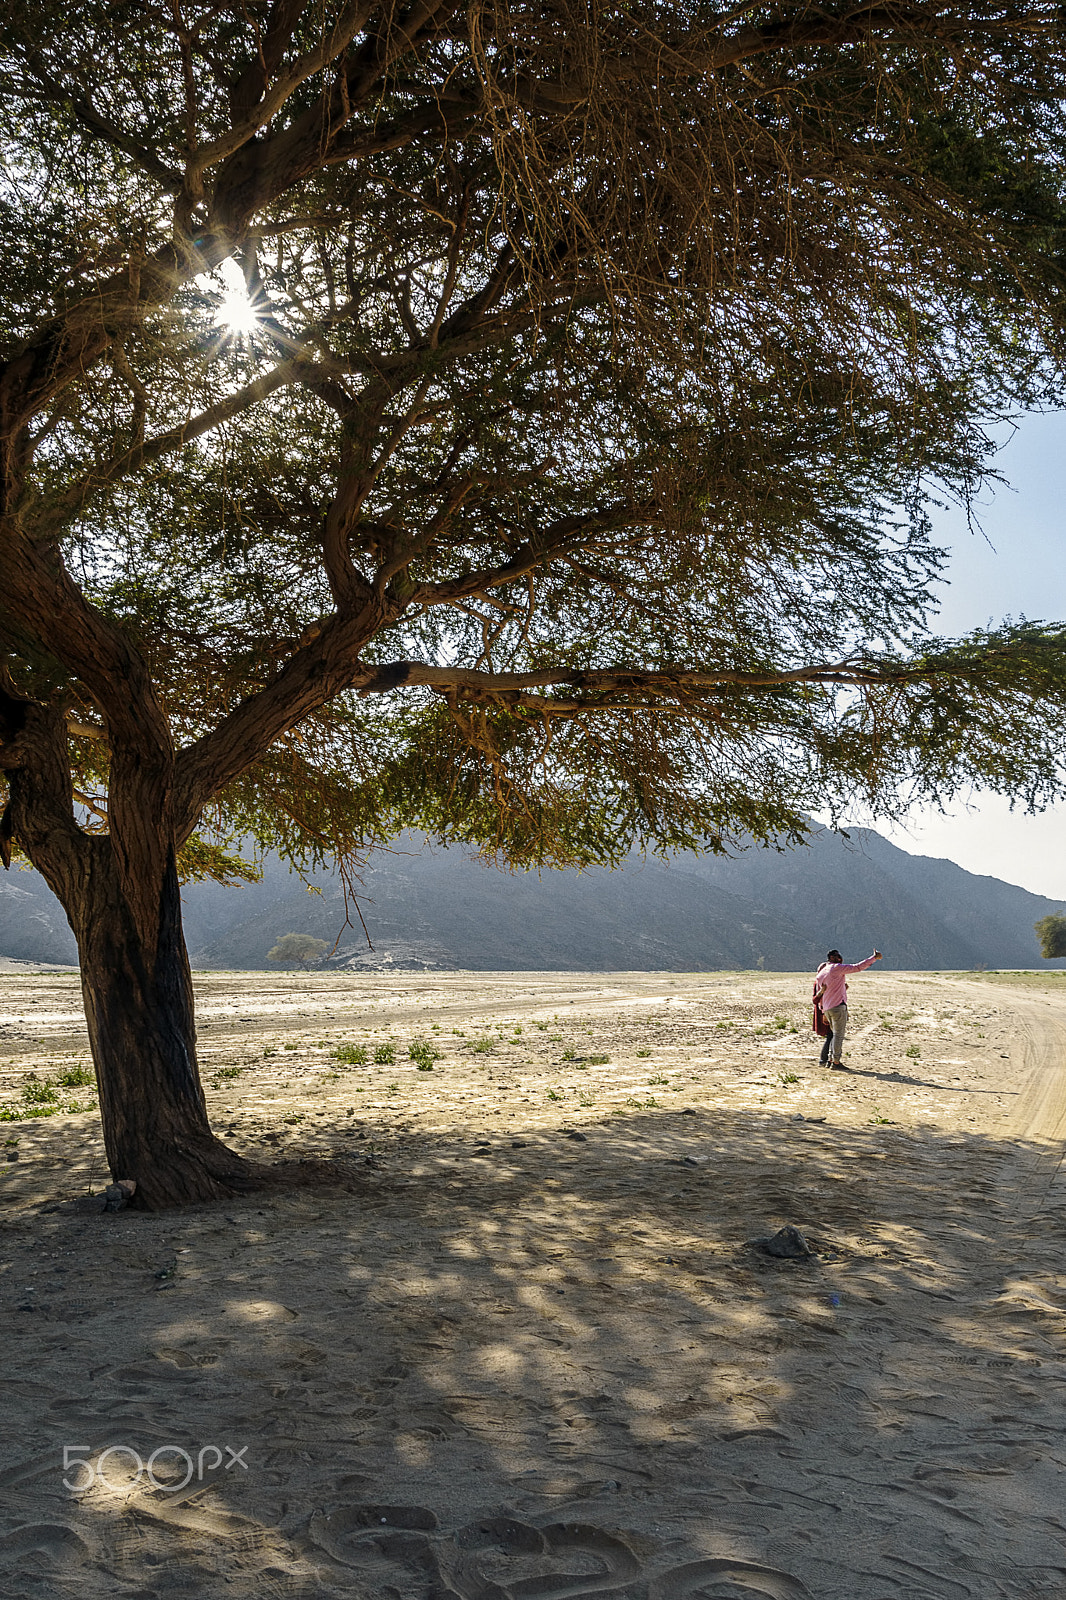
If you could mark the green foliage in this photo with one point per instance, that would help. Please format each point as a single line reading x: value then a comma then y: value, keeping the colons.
x: 297, y: 949
x: 1051, y: 931
x: 642, y: 468
x: 41, y: 1097
x: 75, y: 1077
x: 423, y: 1054
x: 354, y: 1055
x: 36, y: 1093
x: 385, y: 1055
x: 198, y: 860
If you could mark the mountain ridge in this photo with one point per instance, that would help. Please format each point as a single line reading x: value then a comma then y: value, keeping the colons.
x: 434, y: 908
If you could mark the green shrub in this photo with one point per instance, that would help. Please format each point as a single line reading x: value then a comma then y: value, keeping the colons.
x: 385, y: 1055
x: 75, y: 1077
x: 36, y: 1093
x: 423, y: 1054
x: 354, y: 1055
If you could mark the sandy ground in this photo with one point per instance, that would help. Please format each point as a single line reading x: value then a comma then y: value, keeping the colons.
x: 526, y: 1350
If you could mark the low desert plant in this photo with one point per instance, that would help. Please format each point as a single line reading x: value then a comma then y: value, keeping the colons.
x: 385, y: 1055
x: 423, y: 1054
x: 36, y: 1093
x: 353, y: 1055
x: 75, y: 1077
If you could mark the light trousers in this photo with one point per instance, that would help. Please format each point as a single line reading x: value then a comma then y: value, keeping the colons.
x: 837, y: 1018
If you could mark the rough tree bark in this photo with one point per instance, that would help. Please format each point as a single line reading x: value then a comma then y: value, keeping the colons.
x: 139, y: 1011
x: 135, y: 974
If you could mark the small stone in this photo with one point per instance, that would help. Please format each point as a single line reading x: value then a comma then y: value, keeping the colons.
x: 788, y: 1244
x: 118, y: 1195
x: 695, y: 1161
x: 799, y: 1117
x: 519, y: 1144
x: 688, y: 1111
x: 582, y: 1138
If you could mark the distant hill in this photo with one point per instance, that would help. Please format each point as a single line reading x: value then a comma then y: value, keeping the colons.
x: 780, y: 910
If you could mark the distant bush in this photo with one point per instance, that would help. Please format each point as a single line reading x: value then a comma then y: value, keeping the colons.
x: 297, y: 950
x: 385, y: 1055
x: 1051, y: 931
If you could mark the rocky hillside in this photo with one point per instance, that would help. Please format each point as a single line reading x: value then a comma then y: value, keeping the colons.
x: 779, y: 910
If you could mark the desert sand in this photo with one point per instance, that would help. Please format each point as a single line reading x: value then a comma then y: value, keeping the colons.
x: 525, y: 1349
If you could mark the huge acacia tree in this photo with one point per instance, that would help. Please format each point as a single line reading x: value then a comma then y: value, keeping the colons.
x: 514, y: 420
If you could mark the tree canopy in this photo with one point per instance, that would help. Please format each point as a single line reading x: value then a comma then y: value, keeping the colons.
x: 1051, y: 931
x: 554, y: 472
x: 518, y: 421
x: 297, y: 950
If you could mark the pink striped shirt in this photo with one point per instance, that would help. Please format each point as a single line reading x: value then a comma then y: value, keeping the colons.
x: 830, y: 981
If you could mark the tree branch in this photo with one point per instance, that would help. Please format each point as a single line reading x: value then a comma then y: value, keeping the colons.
x: 504, y: 686
x: 320, y: 668
x: 70, y: 503
x: 348, y: 24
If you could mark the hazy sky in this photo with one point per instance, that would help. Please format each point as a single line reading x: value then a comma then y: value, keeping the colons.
x: 1018, y: 569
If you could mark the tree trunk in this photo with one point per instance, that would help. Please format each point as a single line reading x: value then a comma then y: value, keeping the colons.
x: 142, y: 1035
x: 126, y: 917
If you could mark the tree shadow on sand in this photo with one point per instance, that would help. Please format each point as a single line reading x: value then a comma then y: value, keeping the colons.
x: 554, y: 1366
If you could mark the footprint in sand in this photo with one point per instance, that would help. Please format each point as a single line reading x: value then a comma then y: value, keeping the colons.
x: 502, y: 1558
x: 54, y: 1540
x: 704, y: 1580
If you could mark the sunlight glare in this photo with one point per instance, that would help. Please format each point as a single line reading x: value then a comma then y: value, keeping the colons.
x: 235, y: 312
